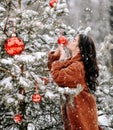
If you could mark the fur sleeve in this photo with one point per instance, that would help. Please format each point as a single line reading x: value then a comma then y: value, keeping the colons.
x: 66, y: 76
x: 52, y: 58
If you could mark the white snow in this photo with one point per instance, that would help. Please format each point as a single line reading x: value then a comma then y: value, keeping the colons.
x: 2, y: 9
x: 20, y: 96
x: 23, y: 81
x: 50, y: 94
x: 103, y: 120
x: 31, y: 126
x: 7, y: 61
x: 6, y: 82
x: 29, y: 58
x: 10, y: 100
x: 48, y: 39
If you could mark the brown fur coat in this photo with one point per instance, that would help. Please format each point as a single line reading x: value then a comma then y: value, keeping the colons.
x: 81, y: 113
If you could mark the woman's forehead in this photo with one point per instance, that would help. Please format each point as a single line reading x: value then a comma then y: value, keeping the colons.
x: 76, y: 37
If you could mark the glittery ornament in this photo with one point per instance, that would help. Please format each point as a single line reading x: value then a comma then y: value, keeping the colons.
x: 52, y: 3
x: 18, y: 118
x: 36, y: 98
x: 62, y: 40
x: 14, y: 46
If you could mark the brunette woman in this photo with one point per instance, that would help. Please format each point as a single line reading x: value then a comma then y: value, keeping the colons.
x: 79, y: 112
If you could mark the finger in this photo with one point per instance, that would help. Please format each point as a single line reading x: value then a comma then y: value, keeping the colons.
x: 61, y: 47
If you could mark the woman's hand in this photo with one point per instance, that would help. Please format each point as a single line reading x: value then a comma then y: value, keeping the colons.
x: 62, y: 53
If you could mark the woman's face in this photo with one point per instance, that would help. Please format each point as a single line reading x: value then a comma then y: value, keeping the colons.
x: 72, y: 45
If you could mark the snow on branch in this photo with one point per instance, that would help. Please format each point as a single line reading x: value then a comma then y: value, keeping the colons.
x: 53, y: 93
x: 8, y: 72
x: 70, y: 91
x: 29, y: 58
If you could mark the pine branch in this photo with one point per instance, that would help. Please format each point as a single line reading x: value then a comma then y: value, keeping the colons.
x: 106, y: 93
x: 22, y: 68
x: 8, y: 72
x: 3, y: 31
x: 13, y: 4
x: 19, y: 3
x: 30, y: 4
x: 107, y: 126
x: 38, y: 6
x: 5, y: 25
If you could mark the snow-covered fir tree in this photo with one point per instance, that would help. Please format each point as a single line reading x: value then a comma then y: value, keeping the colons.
x: 104, y: 92
x: 38, y: 24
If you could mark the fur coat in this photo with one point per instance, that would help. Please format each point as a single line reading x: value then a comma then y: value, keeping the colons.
x: 81, y: 112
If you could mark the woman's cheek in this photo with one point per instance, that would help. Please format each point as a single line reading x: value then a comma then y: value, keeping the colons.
x: 69, y: 43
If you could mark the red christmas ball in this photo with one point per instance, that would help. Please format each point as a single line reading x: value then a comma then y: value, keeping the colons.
x: 52, y: 3
x: 18, y: 118
x: 62, y: 40
x: 14, y: 46
x: 36, y: 98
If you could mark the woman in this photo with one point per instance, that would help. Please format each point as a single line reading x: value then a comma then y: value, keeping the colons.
x: 78, y: 112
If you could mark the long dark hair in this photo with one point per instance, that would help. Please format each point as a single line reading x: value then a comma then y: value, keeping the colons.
x: 88, y: 53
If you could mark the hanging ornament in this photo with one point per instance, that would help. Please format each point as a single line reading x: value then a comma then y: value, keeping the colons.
x: 52, y: 3
x: 18, y: 118
x: 14, y: 46
x: 36, y: 97
x: 62, y: 40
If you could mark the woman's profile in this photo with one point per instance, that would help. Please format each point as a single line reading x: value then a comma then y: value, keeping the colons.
x: 79, y: 112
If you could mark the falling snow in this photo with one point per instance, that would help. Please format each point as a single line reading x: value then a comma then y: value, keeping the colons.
x: 39, y: 30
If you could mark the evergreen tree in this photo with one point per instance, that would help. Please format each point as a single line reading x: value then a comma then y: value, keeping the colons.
x: 104, y: 91
x: 38, y: 24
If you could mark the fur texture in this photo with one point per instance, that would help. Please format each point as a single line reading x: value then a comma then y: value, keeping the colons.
x: 79, y: 112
